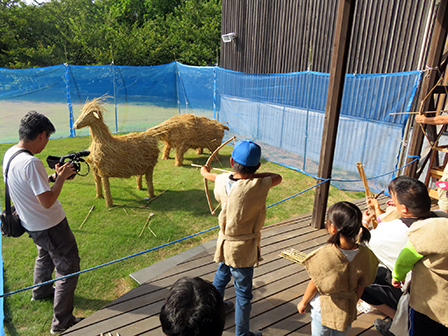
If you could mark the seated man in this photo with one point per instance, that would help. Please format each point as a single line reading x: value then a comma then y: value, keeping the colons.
x: 426, y: 254
x: 388, y: 239
x: 193, y: 307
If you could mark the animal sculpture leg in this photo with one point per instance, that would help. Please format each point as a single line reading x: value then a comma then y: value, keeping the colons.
x: 166, y: 151
x: 180, y: 151
x: 98, y: 185
x: 107, y: 194
x: 139, y: 182
x: 149, y: 182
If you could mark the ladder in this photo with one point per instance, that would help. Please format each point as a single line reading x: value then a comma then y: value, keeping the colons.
x: 435, y: 169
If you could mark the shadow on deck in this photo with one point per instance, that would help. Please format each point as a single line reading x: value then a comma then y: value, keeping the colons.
x: 278, y: 287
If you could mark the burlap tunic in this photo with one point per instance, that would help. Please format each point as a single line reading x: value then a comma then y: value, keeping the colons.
x: 336, y: 280
x: 429, y: 285
x: 240, y: 220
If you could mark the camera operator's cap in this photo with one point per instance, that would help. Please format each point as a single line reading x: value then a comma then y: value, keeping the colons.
x: 246, y: 153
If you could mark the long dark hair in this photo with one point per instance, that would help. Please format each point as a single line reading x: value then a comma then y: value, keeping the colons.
x: 347, y: 219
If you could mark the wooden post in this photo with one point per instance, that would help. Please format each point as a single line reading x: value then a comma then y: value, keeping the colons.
x: 438, y: 40
x: 343, y: 28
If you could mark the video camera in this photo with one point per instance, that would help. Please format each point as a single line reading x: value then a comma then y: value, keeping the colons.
x: 74, y: 158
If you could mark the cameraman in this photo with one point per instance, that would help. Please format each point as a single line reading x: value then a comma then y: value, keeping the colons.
x: 43, y: 218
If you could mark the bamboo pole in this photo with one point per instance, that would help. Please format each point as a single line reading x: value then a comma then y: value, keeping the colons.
x: 368, y: 194
x: 91, y: 209
x: 146, y: 223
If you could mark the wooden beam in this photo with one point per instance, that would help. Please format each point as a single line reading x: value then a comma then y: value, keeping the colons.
x: 438, y: 40
x: 343, y: 29
x: 441, y: 89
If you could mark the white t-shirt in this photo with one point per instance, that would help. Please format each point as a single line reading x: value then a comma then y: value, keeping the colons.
x: 27, y: 178
x: 387, y: 241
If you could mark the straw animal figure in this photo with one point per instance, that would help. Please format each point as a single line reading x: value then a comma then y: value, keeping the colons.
x: 186, y: 131
x: 117, y: 156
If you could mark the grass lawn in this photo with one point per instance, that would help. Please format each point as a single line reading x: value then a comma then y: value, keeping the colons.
x: 113, y: 233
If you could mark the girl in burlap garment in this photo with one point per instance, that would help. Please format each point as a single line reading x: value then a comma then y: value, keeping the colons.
x: 339, y: 272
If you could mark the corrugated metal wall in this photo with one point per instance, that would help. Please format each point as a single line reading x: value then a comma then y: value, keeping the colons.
x: 279, y: 36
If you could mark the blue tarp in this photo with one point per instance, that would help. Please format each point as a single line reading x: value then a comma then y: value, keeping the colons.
x: 285, y: 112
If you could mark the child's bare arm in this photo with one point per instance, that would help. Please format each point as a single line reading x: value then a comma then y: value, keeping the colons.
x: 276, y: 178
x: 310, y: 292
x: 205, y: 172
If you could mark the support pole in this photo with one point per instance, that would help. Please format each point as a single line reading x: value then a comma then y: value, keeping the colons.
x: 435, y: 54
x: 342, y: 34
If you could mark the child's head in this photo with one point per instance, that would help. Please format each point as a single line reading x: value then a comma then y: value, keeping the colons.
x: 193, y: 307
x: 347, y: 220
x: 246, y: 157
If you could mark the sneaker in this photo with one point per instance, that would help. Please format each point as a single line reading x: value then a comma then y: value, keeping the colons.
x: 48, y: 297
x: 254, y: 333
x: 229, y: 306
x: 383, y: 326
x: 57, y: 330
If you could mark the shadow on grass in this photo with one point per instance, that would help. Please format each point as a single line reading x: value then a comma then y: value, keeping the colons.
x: 192, y: 201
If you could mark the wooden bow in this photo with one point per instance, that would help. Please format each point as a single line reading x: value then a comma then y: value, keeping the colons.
x: 207, y: 164
x: 368, y: 194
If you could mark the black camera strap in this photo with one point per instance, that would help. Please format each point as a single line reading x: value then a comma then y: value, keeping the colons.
x: 7, y: 197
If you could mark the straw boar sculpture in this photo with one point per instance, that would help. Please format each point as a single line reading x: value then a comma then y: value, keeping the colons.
x: 117, y: 156
x: 186, y: 131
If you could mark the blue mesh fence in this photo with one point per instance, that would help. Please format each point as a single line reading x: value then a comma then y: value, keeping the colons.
x: 284, y: 112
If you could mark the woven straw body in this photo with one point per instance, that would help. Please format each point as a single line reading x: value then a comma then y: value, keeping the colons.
x: 186, y: 131
x: 117, y: 156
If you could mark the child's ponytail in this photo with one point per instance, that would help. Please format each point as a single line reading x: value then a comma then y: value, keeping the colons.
x: 364, y: 235
x: 335, y: 239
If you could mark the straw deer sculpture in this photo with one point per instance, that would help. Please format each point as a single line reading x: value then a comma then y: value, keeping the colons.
x: 117, y: 156
x: 186, y: 131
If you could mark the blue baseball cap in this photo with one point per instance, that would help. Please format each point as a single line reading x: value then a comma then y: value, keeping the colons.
x: 246, y: 153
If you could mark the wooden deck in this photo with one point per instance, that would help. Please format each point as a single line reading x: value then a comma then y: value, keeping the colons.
x: 278, y: 287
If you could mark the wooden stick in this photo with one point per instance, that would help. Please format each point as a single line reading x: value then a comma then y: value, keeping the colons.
x: 91, y: 209
x: 146, y: 223
x: 379, y: 194
x: 368, y: 194
x: 218, y: 169
x: 149, y: 227
x: 413, y: 112
x: 152, y: 199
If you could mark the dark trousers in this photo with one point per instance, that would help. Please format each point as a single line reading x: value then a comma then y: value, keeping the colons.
x: 57, y: 250
x: 381, y: 290
x: 422, y: 325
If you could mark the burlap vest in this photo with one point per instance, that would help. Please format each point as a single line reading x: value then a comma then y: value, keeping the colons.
x: 242, y: 217
x: 337, y: 279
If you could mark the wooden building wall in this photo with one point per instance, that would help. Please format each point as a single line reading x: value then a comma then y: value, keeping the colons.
x: 280, y: 36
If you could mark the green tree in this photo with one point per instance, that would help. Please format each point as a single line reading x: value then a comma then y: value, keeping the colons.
x: 125, y: 32
x: 25, y: 38
x: 195, y: 32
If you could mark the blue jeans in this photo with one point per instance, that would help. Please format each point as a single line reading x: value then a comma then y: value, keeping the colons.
x: 242, y: 279
x: 317, y: 329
